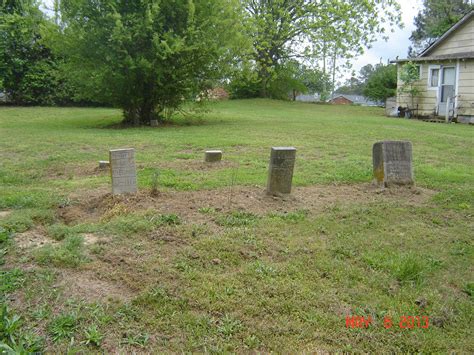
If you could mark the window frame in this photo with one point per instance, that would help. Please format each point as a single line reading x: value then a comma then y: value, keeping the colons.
x: 430, y: 76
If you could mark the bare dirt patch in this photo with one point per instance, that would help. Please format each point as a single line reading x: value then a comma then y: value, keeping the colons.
x: 91, y: 238
x: 4, y: 214
x: 87, y: 285
x: 33, y: 239
x: 189, y: 205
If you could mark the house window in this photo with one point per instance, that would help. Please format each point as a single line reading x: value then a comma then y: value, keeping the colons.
x: 434, y: 77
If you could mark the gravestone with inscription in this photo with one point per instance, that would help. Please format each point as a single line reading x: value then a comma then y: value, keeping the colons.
x: 123, y: 171
x: 212, y: 156
x: 392, y: 162
x: 280, y: 171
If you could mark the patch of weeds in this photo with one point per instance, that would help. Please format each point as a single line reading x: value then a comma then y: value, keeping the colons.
x: 11, y: 280
x: 207, y: 210
x: 237, y: 219
x: 9, y: 326
x: 469, y: 289
x: 229, y: 326
x: 406, y: 268
x: 252, y: 341
x: 63, y: 326
x: 167, y: 219
x: 93, y: 336
x: 12, y: 340
x: 139, y: 223
x: 263, y: 270
x: 59, y: 231
x: 21, y: 221
x: 183, y: 266
x: 136, y: 339
x: 69, y: 253
x: 296, y: 216
x: 343, y: 252
x: 5, y: 236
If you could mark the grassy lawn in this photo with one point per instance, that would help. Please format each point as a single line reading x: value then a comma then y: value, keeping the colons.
x: 211, y: 264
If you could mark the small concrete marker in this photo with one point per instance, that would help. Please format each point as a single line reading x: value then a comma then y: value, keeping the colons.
x: 154, y: 123
x: 212, y: 156
x: 280, y: 171
x: 392, y: 162
x: 123, y: 171
x: 104, y: 164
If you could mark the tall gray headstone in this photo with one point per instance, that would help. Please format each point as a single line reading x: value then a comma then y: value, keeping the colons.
x: 123, y: 171
x: 212, y: 156
x: 280, y: 171
x: 392, y: 161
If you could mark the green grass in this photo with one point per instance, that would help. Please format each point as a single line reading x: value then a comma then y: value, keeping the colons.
x: 221, y: 278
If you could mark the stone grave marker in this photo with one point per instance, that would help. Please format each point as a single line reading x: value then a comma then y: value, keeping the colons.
x: 392, y: 162
x: 104, y: 164
x: 212, y: 156
x: 280, y: 171
x: 123, y: 171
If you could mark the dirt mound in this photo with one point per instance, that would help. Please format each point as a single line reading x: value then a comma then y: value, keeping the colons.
x: 189, y: 205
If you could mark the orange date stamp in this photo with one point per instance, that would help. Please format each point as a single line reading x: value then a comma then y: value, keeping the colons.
x: 405, y: 322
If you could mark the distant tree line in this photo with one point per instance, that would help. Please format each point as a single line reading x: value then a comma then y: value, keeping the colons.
x: 148, y: 57
x: 376, y: 82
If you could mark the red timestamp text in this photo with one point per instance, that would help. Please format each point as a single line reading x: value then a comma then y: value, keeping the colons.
x: 404, y: 322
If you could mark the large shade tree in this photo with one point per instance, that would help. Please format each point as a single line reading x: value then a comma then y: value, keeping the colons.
x: 283, y: 29
x: 435, y: 18
x: 145, y: 56
x: 29, y: 72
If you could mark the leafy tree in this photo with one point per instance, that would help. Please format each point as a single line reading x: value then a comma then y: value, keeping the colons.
x: 145, y: 56
x: 435, y: 19
x: 381, y: 83
x: 341, y: 28
x: 30, y: 73
x: 409, y: 75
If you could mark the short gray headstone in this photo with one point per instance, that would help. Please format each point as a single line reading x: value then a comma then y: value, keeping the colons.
x: 392, y: 161
x: 280, y: 172
x: 104, y: 164
x: 123, y: 171
x: 154, y: 123
x: 212, y: 156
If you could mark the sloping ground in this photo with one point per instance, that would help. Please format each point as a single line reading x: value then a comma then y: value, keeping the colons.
x: 211, y: 263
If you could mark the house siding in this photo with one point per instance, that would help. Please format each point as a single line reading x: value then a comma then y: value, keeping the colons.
x: 465, y: 102
x: 427, y: 101
x: 461, y: 41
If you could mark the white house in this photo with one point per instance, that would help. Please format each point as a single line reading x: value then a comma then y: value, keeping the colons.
x: 446, y: 71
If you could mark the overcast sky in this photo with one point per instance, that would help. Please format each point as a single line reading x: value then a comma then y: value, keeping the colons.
x: 397, y: 45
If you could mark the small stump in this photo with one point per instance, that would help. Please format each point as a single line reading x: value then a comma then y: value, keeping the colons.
x: 104, y: 164
x: 280, y: 171
x: 212, y: 156
x: 123, y: 171
x: 392, y: 162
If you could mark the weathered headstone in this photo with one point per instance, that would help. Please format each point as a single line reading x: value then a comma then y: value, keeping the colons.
x: 123, y: 171
x: 154, y: 123
x: 212, y: 156
x: 280, y: 171
x: 104, y: 164
x: 392, y: 161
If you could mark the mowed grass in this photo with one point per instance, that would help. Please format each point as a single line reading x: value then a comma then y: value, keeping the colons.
x: 233, y: 279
